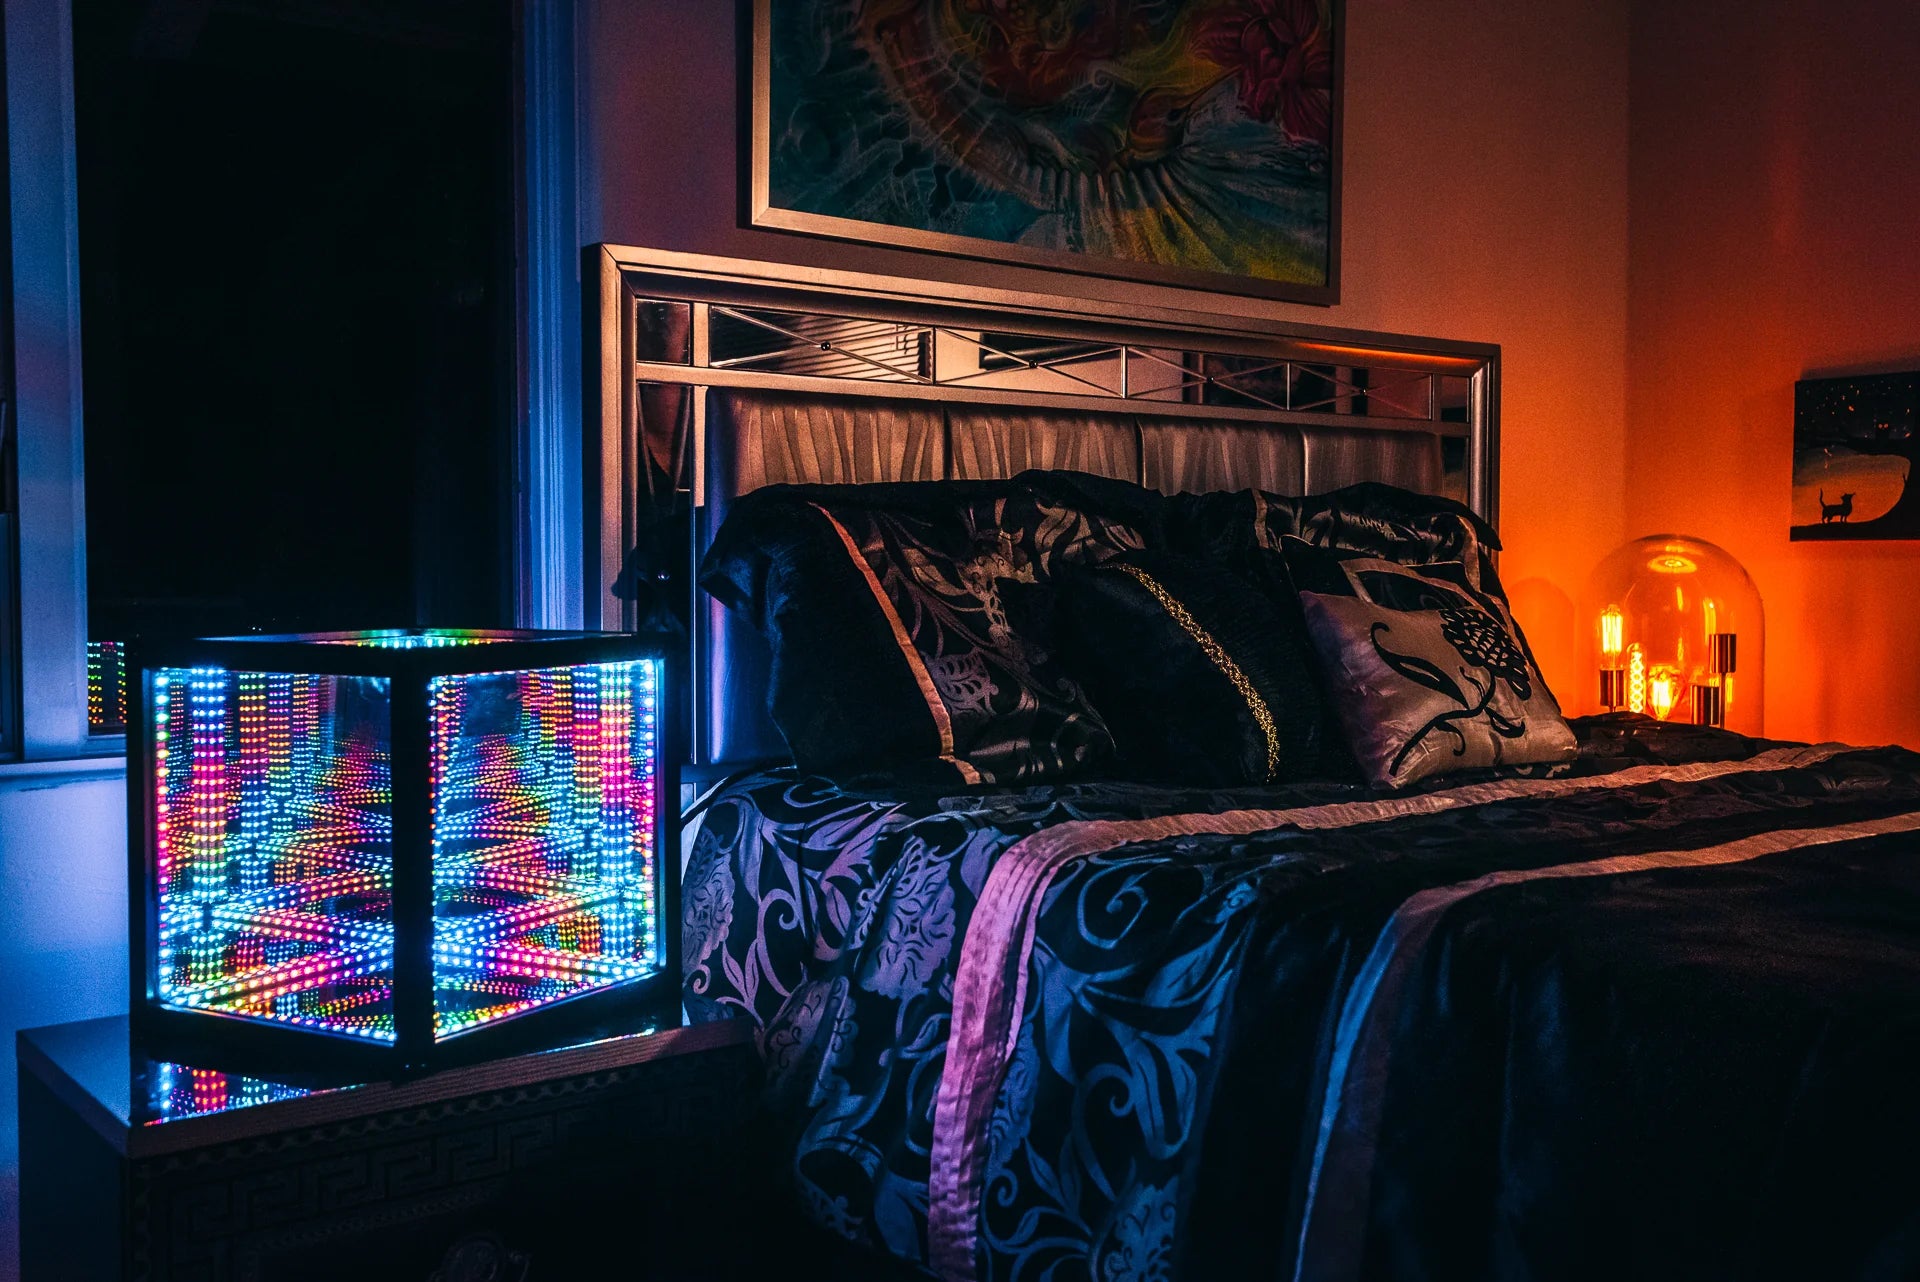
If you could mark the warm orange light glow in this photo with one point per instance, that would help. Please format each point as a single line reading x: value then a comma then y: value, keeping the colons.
x: 1386, y: 355
x: 1660, y: 692
x: 1613, y: 628
x: 1677, y: 601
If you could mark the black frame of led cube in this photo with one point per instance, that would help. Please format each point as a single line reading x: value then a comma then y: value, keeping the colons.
x: 216, y: 1037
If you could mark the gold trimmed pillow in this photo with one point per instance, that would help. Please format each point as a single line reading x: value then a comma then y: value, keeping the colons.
x: 1200, y: 678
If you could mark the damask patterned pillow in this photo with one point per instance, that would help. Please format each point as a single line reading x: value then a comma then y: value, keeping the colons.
x: 1426, y: 674
x: 1244, y: 529
x: 908, y: 625
x: 1202, y: 679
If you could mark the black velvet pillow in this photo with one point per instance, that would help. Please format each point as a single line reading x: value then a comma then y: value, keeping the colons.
x: 1201, y: 678
x: 908, y: 624
x: 1426, y: 674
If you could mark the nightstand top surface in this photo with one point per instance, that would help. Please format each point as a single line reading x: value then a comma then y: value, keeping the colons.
x: 145, y: 1105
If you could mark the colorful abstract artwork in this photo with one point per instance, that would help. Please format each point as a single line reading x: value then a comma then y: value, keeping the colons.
x: 1193, y: 142
x: 1855, y: 442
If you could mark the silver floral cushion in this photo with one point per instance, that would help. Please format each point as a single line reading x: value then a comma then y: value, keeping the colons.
x: 1426, y: 676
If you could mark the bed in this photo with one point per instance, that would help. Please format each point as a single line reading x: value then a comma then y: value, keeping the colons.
x: 1643, y: 1004
x: 1360, y: 1037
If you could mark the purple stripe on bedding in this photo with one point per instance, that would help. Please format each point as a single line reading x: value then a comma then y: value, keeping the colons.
x: 1333, y: 1227
x: 990, y: 978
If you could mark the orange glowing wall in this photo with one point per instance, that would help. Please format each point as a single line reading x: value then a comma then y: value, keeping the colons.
x: 1775, y: 234
x: 1485, y: 198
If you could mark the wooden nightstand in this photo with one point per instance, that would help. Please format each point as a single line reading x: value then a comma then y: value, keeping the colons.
x: 504, y: 1172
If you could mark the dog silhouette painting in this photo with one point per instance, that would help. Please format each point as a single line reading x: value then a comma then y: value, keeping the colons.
x: 1857, y: 438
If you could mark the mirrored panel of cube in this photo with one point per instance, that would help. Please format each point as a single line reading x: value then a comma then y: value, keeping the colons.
x: 545, y: 784
x: 272, y: 812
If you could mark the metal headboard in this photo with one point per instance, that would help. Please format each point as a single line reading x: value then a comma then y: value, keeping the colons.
x: 678, y: 343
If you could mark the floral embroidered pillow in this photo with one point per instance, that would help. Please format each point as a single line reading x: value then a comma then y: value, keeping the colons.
x: 1426, y: 675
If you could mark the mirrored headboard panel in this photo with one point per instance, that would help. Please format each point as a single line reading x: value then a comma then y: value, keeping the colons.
x: 709, y: 377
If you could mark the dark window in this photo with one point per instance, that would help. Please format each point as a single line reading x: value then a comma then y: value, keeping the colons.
x: 298, y: 298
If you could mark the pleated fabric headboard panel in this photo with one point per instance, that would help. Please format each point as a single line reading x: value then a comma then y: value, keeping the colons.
x: 986, y: 442
x: 1410, y: 460
x: 1193, y: 456
x: 761, y: 438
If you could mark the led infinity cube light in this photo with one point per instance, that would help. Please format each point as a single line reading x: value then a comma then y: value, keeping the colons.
x: 395, y: 847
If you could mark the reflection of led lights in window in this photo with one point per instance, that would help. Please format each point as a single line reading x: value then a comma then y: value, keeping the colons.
x: 106, y: 687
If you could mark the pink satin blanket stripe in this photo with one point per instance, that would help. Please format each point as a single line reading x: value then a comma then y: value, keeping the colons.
x: 990, y: 977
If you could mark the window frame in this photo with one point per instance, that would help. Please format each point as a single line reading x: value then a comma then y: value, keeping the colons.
x: 46, y: 682
x: 51, y: 658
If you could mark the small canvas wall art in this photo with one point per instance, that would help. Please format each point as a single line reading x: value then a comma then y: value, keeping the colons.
x: 1854, y: 445
x: 1192, y: 142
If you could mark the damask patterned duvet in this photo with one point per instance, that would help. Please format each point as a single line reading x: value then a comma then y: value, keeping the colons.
x: 1655, y: 1014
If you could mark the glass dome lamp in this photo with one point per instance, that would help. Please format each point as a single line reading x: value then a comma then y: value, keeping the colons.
x: 1678, y: 633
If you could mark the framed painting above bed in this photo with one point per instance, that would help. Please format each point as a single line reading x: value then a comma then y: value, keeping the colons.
x: 1191, y: 142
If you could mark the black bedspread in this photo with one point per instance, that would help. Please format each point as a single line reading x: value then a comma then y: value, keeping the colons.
x: 1653, y: 1016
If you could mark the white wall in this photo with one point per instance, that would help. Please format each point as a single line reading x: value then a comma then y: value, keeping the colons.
x: 63, y: 927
